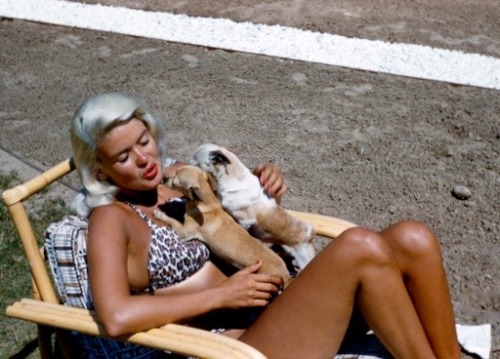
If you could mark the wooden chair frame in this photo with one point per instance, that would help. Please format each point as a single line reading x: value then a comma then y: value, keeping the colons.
x: 46, y: 311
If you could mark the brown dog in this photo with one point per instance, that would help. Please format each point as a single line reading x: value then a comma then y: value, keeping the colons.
x: 206, y: 220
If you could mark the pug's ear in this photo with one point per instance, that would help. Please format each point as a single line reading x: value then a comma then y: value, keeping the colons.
x: 218, y: 158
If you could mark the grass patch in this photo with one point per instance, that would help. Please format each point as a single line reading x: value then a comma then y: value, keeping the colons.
x: 18, y: 338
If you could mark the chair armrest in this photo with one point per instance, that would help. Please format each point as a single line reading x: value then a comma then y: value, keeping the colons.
x: 23, y: 191
x: 325, y: 226
x: 173, y: 337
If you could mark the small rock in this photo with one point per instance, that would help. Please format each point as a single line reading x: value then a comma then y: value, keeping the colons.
x: 461, y: 192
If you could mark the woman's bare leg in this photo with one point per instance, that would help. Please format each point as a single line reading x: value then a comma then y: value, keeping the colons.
x: 419, y: 257
x: 310, y: 318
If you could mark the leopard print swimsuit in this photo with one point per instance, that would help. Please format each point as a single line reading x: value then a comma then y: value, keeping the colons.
x: 171, y: 260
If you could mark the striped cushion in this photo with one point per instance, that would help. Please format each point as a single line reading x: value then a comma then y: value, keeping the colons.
x: 66, y: 251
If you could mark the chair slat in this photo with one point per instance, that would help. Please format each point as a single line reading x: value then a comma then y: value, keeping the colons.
x: 325, y: 226
x: 173, y: 337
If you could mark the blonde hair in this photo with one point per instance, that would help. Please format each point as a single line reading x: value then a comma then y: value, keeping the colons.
x: 95, y: 116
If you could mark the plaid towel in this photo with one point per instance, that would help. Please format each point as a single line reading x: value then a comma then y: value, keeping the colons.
x: 66, y: 250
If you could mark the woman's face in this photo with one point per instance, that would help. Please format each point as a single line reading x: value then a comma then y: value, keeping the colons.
x: 128, y: 156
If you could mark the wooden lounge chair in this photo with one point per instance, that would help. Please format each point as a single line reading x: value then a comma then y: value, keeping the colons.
x: 45, y: 308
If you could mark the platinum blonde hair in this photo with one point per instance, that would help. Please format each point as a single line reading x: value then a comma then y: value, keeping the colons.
x: 95, y: 117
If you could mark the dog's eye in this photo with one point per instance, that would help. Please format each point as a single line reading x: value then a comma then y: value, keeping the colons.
x: 218, y: 158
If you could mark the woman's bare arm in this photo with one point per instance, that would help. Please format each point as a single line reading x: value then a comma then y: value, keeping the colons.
x: 123, y: 313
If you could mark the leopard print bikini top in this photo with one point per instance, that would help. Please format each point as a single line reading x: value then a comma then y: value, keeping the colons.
x: 171, y: 260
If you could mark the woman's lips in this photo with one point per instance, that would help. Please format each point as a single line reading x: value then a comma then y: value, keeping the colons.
x: 150, y: 172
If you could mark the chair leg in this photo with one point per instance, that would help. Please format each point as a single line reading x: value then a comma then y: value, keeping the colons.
x: 45, y: 341
x: 68, y: 345
x: 65, y: 345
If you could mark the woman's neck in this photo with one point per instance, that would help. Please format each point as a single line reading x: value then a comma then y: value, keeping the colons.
x: 148, y: 198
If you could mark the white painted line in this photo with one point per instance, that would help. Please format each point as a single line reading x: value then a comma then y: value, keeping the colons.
x: 416, y: 61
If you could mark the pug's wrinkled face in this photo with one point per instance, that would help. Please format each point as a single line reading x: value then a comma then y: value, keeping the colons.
x: 211, y: 158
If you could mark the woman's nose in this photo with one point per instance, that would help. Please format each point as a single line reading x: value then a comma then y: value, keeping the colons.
x: 140, y: 157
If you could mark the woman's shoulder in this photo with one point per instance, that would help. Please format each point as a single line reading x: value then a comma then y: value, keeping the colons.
x: 115, y: 208
x: 111, y: 214
x: 111, y: 221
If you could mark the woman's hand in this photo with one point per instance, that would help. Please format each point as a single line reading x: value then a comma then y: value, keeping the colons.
x: 271, y: 178
x: 247, y: 288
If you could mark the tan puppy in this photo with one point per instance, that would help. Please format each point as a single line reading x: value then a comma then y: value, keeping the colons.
x: 241, y: 195
x: 206, y: 220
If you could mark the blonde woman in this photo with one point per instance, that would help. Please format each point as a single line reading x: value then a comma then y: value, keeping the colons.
x: 142, y: 276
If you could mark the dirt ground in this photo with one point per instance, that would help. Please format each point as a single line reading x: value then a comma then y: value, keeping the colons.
x: 367, y: 147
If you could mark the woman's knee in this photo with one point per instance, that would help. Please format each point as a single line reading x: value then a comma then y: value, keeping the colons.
x: 364, y: 245
x: 412, y: 239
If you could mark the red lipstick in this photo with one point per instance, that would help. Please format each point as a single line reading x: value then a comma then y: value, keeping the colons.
x: 150, y: 172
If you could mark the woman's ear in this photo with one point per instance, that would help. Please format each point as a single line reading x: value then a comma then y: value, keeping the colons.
x: 100, y: 175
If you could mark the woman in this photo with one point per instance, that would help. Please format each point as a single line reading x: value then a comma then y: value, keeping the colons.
x: 141, y: 276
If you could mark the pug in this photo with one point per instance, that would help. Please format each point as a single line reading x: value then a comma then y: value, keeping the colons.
x: 242, y: 195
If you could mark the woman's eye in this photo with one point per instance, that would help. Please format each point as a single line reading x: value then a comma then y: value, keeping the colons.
x: 144, y: 140
x: 122, y: 159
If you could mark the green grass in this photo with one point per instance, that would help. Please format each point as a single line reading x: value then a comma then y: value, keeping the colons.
x: 18, y: 338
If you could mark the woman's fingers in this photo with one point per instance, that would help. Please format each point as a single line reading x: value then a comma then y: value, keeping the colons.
x: 253, y: 268
x: 247, y: 288
x: 271, y: 178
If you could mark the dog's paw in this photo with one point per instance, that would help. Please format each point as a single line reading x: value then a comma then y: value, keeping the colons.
x: 161, y: 216
x: 303, y: 253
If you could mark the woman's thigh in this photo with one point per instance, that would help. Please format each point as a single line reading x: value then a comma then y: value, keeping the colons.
x: 310, y: 318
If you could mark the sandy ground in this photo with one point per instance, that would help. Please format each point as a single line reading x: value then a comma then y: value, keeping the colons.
x: 367, y: 147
